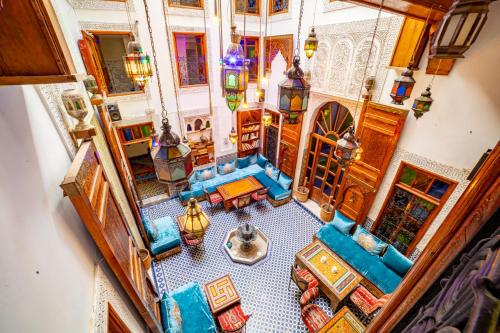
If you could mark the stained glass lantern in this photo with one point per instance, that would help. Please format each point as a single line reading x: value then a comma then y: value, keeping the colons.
x: 75, y: 106
x: 172, y: 159
x: 459, y: 28
x: 401, y: 90
x: 267, y: 119
x: 311, y: 44
x: 234, y: 72
x: 346, y: 148
x: 137, y: 64
x: 293, y: 93
x: 233, y: 136
x: 196, y: 221
x: 422, y: 104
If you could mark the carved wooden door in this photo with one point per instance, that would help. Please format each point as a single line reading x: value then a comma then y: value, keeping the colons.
x: 87, y: 186
x: 289, y: 146
x: 271, y: 144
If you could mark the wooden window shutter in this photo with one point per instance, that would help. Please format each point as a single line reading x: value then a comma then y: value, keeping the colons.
x: 92, y: 60
x: 408, y: 42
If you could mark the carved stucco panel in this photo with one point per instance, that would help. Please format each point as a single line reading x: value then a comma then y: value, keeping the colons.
x: 344, y: 49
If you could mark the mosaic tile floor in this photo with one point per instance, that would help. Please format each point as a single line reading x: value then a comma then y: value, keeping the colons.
x: 263, y: 287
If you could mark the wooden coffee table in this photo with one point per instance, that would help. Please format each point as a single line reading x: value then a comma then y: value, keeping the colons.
x: 336, y: 282
x: 221, y: 294
x: 344, y: 321
x: 231, y: 191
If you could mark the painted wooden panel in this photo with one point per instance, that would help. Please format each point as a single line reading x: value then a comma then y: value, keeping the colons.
x: 408, y: 42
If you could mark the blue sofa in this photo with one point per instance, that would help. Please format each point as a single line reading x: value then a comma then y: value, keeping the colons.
x: 163, y: 235
x: 277, y: 194
x: 371, y: 266
x: 193, y: 308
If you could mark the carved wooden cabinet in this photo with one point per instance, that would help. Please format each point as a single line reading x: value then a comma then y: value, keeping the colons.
x: 33, y: 50
x: 289, y: 146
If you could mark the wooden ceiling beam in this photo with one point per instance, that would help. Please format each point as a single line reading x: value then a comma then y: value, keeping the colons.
x: 418, y: 9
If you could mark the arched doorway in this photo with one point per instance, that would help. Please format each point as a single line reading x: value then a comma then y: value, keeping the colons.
x: 322, y: 170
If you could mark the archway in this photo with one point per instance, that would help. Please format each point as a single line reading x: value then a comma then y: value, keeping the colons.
x: 322, y: 169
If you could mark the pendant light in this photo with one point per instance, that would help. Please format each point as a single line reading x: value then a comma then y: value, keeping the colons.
x: 233, y: 136
x: 267, y: 119
x: 459, y: 28
x: 422, y: 104
x: 311, y: 43
x: 293, y: 96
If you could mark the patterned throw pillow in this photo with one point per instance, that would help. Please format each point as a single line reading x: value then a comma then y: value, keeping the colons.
x: 272, y: 172
x: 369, y: 242
x: 224, y: 169
x: 205, y: 174
x: 261, y: 161
x: 151, y: 230
x: 170, y: 314
x: 253, y: 159
x: 308, y: 296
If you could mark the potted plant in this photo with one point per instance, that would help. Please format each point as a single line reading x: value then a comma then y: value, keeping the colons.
x: 327, y: 211
x: 302, y: 192
x: 145, y: 257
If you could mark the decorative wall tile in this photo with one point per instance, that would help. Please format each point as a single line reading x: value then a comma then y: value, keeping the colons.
x: 329, y: 5
x: 100, y: 4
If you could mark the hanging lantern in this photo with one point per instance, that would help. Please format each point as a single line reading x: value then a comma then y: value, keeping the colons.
x: 267, y: 119
x: 234, y: 72
x: 293, y: 93
x: 196, y: 221
x: 75, y: 106
x: 459, y: 28
x: 311, y: 44
x: 401, y: 90
x: 233, y: 136
x: 137, y: 64
x: 346, y: 148
x: 422, y: 104
x: 172, y: 159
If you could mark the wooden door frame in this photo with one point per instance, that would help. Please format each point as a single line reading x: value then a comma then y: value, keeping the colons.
x: 204, y: 51
x: 112, y: 314
x: 474, y: 208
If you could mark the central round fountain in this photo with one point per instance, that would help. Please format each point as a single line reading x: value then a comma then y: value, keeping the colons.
x: 246, y: 244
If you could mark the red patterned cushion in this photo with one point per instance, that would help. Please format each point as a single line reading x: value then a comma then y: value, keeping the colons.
x: 363, y: 299
x: 215, y: 197
x: 380, y: 302
x: 313, y: 317
x: 233, y: 320
x: 309, y: 295
x: 307, y: 277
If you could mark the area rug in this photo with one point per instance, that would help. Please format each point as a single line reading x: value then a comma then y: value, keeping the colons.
x: 264, y: 288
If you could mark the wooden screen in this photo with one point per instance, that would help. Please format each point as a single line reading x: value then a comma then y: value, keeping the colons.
x: 322, y: 169
x: 190, y: 55
x: 275, y: 44
x: 289, y: 146
x: 87, y: 186
x: 271, y: 137
x: 415, y: 198
x: 92, y: 60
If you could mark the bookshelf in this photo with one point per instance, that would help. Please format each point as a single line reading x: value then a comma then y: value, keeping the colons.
x: 249, y: 126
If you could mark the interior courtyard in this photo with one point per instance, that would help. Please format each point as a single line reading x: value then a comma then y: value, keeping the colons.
x: 231, y: 166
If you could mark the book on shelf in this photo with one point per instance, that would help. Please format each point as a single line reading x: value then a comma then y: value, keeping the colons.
x: 251, y: 128
x: 249, y: 145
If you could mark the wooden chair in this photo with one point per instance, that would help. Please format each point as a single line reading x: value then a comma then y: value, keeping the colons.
x: 213, y: 198
x: 260, y: 195
x: 242, y: 202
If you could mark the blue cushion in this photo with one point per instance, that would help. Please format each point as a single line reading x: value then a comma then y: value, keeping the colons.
x: 171, y: 319
x: 272, y: 172
x: 169, y: 236
x: 252, y: 159
x: 205, y: 174
x: 194, y: 309
x: 284, y: 181
x: 368, y: 241
x: 193, y: 179
x: 276, y: 192
x: 371, y: 267
x: 342, y: 223
x: 251, y: 170
x: 225, y: 168
x: 261, y: 161
x: 243, y: 162
x: 151, y: 229
x: 395, y: 260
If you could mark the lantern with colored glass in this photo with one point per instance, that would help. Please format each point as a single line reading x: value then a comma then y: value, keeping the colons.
x: 293, y: 93
x: 233, y: 136
x: 422, y: 104
x: 137, y: 64
x: 459, y: 28
x: 346, y: 148
x: 267, y: 119
x: 75, y: 106
x: 311, y: 44
x: 196, y: 221
x: 401, y: 90
x: 234, y: 72
x: 172, y: 159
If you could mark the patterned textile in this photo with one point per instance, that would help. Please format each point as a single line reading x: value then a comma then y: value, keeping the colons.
x: 151, y: 229
x: 253, y: 159
x: 215, y: 198
x: 205, y: 174
x: 306, y: 276
x: 272, y: 172
x: 242, y: 201
x: 314, y: 317
x: 191, y: 241
x: 233, y: 320
x: 364, y: 300
x: 369, y: 242
x: 380, y: 302
x: 309, y: 295
x: 224, y: 169
x: 171, y: 315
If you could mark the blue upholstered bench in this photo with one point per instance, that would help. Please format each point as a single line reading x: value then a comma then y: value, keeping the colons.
x: 192, y: 308
x: 163, y: 235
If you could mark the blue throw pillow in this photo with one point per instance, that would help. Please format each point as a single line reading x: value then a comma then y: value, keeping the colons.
x: 205, y: 174
x: 272, y: 172
x: 342, y: 223
x: 396, y: 261
x: 261, y: 161
x: 243, y: 162
x: 151, y: 229
x: 193, y: 179
x: 170, y: 314
x: 225, y: 168
x: 367, y: 241
x: 252, y: 159
x: 284, y: 181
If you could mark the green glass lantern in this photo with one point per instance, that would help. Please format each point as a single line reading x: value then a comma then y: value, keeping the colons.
x: 422, y: 104
x: 402, y: 87
x: 311, y: 44
x: 293, y: 93
x: 234, y: 72
x: 137, y: 64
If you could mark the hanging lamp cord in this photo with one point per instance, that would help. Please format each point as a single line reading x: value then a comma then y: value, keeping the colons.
x: 300, y: 26
x: 435, y: 73
x: 314, y: 14
x: 127, y: 8
x: 206, y: 60
x: 245, y: 49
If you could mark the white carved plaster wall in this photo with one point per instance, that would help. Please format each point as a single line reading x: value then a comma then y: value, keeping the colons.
x: 100, y: 5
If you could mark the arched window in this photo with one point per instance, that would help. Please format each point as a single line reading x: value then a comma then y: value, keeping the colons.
x: 322, y: 170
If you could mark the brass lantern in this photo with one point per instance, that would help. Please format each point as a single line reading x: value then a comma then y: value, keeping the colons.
x: 75, y: 106
x: 346, y: 148
x: 422, y: 104
x: 196, y: 221
x: 311, y: 44
x: 459, y: 28
x: 293, y: 93
x: 172, y: 159
x: 234, y: 72
x: 137, y: 64
x: 233, y: 136
x: 401, y: 90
